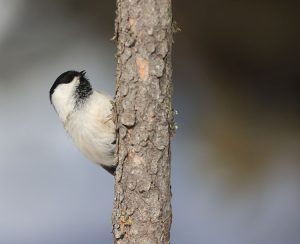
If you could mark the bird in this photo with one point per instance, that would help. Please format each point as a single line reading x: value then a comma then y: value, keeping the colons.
x: 86, y: 115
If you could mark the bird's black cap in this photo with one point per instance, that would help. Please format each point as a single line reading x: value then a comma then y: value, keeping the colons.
x: 66, y: 78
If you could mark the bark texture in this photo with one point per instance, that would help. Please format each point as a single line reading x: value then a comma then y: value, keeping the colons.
x: 144, y: 119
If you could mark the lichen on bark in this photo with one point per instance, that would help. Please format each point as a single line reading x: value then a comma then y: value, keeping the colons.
x: 144, y: 120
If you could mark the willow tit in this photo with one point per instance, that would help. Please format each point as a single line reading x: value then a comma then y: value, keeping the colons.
x: 87, y: 117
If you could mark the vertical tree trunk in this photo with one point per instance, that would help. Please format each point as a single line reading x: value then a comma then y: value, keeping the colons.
x: 144, y: 118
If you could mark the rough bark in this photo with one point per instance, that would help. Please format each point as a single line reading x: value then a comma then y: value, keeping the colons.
x: 144, y: 119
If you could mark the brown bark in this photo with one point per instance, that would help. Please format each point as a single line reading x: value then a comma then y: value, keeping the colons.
x: 144, y: 120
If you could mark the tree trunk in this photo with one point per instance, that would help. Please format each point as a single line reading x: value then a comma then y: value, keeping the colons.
x: 144, y: 119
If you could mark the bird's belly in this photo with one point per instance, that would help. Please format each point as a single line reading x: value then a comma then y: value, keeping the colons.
x: 94, y: 143
x: 97, y: 150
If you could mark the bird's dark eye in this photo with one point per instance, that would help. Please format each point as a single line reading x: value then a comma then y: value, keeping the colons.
x: 65, y: 78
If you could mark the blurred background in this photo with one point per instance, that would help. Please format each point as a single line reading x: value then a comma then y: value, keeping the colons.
x: 236, y: 155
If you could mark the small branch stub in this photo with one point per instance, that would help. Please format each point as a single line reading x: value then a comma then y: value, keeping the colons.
x: 144, y: 119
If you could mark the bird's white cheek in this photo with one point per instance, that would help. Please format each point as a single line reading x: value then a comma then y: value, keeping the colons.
x: 63, y: 100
